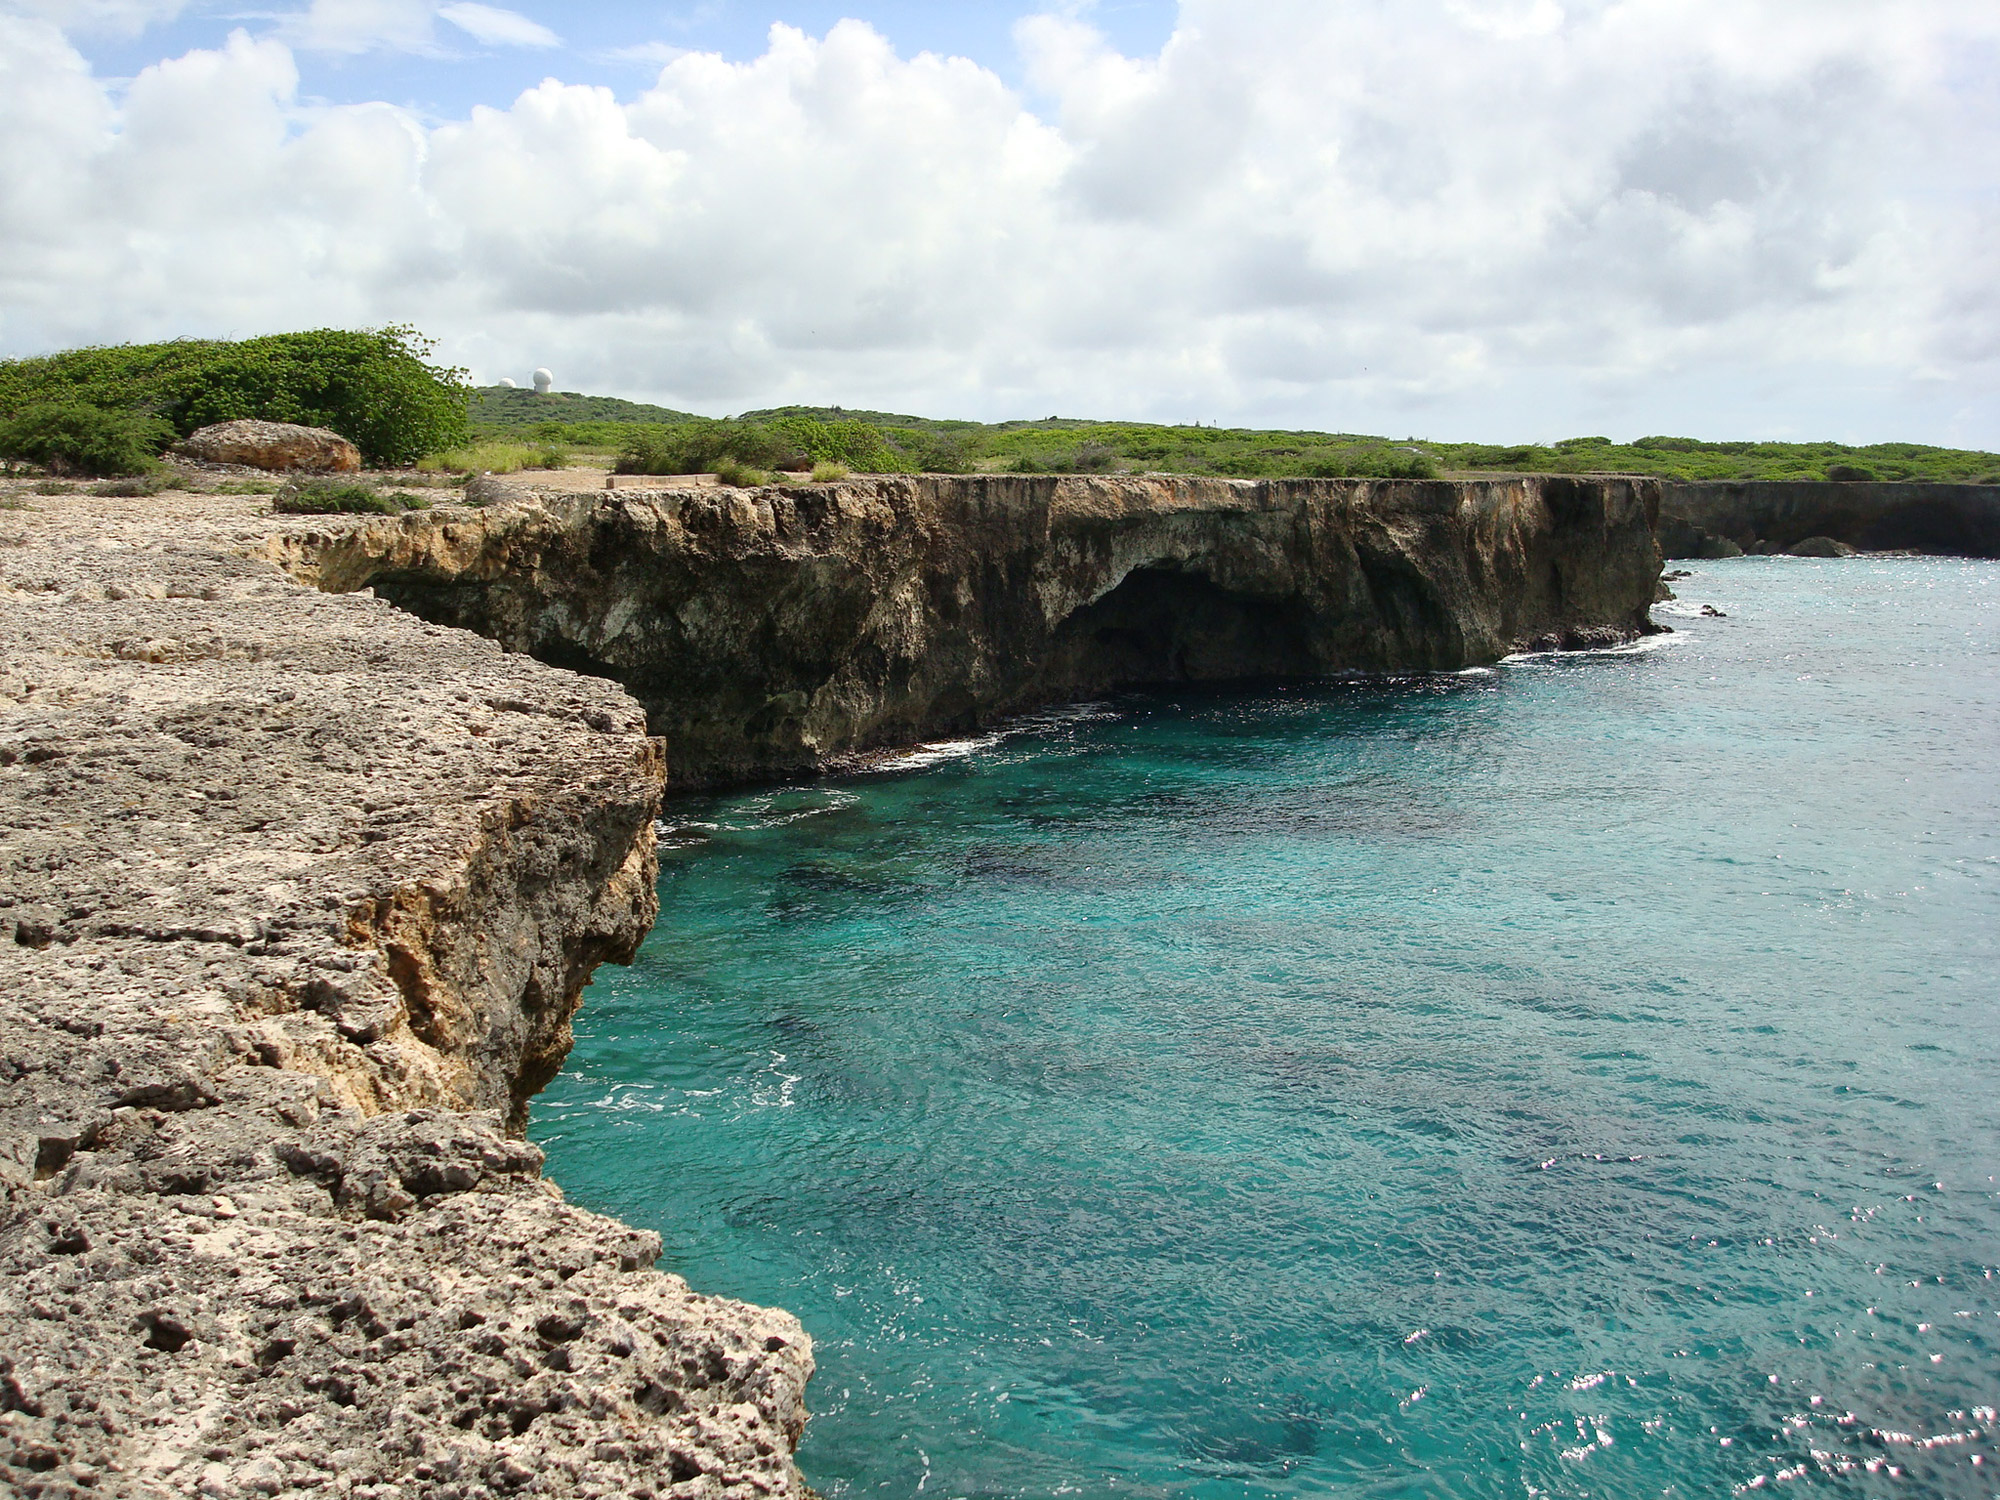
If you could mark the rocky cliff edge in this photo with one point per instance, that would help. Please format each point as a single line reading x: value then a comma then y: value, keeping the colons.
x: 297, y: 896
x: 783, y: 630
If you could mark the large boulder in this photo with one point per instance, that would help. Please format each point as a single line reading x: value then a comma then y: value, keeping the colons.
x: 280, y: 446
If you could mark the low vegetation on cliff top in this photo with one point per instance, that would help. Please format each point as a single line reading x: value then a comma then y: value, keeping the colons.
x: 333, y: 497
x: 376, y: 387
x: 111, y: 411
x: 657, y: 440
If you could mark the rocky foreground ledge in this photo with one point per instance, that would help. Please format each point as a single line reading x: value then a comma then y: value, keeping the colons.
x: 785, y: 630
x: 297, y: 896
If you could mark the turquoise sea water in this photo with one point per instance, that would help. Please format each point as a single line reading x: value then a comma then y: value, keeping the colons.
x: 1580, y: 1078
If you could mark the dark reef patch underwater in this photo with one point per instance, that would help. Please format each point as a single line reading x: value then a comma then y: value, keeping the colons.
x: 1580, y: 1078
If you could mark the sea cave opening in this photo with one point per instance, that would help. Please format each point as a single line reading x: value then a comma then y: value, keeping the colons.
x: 1163, y: 625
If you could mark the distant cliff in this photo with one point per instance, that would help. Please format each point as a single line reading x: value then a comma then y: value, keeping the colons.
x: 1722, y: 519
x: 774, y: 631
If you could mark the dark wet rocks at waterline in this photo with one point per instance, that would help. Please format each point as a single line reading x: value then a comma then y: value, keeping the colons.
x: 788, y: 629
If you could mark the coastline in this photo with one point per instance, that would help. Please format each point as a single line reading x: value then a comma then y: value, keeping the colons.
x: 304, y: 890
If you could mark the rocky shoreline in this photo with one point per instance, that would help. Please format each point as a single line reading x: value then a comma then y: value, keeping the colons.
x: 301, y: 892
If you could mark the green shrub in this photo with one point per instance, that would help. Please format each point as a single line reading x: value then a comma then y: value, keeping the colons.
x: 1849, y: 474
x: 54, y: 487
x: 376, y: 387
x: 947, y: 453
x: 702, y: 447
x: 246, y: 487
x: 1094, y: 458
x: 729, y: 471
x: 828, y: 472
x: 73, y: 437
x: 858, y: 445
x: 1397, y: 465
x: 326, y: 497
x: 647, y: 451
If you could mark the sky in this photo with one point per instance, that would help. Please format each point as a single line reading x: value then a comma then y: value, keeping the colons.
x: 1498, y: 220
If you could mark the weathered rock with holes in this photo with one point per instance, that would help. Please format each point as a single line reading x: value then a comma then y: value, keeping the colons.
x: 282, y: 447
x: 298, y: 895
x: 780, y: 630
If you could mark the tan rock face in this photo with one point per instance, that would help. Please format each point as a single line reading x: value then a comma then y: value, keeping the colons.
x: 298, y: 895
x: 278, y: 446
x: 776, y: 631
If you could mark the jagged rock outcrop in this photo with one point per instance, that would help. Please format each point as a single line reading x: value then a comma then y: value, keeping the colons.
x: 278, y: 446
x: 298, y: 895
x: 1729, y: 518
x: 774, y: 631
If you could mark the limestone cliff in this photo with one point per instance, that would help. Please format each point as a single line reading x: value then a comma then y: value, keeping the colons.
x: 298, y: 895
x: 1725, y: 518
x: 774, y: 631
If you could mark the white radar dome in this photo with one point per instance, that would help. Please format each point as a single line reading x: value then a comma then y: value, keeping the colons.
x: 544, y: 382
x: 508, y: 383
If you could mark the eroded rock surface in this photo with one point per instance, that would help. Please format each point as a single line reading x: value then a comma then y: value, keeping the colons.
x: 774, y: 631
x: 298, y: 895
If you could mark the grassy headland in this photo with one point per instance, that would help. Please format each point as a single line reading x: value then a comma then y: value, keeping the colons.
x: 656, y: 440
x: 110, y: 410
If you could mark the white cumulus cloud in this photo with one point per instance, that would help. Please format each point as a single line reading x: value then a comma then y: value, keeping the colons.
x: 1482, y: 217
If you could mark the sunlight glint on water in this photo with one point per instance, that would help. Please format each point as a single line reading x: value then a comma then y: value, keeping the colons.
x: 1577, y: 1078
